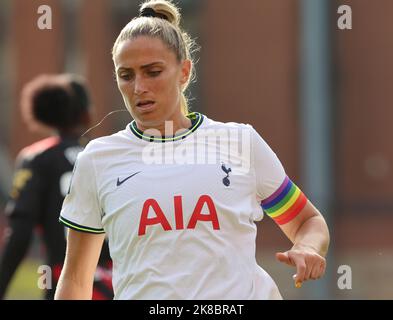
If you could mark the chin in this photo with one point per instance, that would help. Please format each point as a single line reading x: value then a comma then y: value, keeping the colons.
x: 148, y: 119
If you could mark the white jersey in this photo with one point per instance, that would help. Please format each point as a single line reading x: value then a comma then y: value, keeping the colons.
x: 180, y: 215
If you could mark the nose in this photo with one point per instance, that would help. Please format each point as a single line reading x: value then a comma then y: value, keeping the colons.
x: 139, y: 85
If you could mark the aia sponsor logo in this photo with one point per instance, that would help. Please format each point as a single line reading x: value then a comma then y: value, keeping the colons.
x: 199, y: 215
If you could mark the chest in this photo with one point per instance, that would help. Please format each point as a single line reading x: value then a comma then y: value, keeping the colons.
x: 174, y: 196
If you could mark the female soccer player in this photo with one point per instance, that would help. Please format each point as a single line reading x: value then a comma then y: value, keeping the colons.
x: 59, y: 103
x: 173, y: 193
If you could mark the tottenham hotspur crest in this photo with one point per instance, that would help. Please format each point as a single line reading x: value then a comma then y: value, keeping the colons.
x: 226, y: 180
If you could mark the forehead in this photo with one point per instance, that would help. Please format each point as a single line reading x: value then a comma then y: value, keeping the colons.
x: 142, y: 51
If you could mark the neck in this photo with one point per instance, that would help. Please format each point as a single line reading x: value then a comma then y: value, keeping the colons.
x: 168, y: 127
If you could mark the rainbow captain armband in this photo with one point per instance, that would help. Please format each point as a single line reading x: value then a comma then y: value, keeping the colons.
x: 286, y: 203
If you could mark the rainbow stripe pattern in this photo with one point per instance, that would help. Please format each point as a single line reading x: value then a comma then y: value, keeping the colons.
x: 286, y: 203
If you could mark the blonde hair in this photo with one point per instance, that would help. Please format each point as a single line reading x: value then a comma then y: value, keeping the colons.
x: 165, y: 25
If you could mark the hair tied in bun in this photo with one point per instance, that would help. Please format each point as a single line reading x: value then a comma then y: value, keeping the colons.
x: 149, y: 12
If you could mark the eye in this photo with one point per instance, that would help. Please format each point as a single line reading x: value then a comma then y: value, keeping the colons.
x: 154, y: 73
x: 125, y: 76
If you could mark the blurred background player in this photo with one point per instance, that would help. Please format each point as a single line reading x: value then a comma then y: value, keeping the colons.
x: 58, y: 103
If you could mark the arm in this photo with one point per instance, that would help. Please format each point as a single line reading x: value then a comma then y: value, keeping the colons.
x: 15, y: 249
x: 301, y: 222
x: 23, y: 210
x: 310, y: 237
x: 77, y: 276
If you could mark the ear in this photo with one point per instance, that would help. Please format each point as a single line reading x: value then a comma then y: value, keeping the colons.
x: 186, y: 67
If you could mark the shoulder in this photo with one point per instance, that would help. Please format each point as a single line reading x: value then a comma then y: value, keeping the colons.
x: 37, y: 151
x: 213, y: 124
x: 106, y: 145
x: 244, y: 133
x: 232, y: 129
x: 219, y: 124
x: 107, y: 141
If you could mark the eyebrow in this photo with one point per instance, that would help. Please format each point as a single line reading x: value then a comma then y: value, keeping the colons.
x: 142, y: 67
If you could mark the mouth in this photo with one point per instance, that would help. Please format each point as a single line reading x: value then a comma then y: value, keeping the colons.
x: 146, y: 105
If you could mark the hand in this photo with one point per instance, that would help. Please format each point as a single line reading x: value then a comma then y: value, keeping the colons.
x: 308, y: 263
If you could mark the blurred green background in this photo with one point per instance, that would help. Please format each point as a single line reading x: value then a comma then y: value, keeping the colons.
x: 24, y: 284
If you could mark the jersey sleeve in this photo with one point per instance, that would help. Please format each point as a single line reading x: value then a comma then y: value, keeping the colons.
x: 280, y: 198
x: 81, y: 209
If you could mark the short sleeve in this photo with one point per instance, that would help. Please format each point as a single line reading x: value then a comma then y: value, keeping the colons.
x: 280, y: 198
x: 81, y: 210
x: 269, y: 171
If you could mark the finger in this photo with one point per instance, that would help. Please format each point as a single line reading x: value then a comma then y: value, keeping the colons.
x: 300, y: 267
x: 309, y: 269
x: 298, y: 284
x: 284, y: 258
x: 312, y: 268
x: 322, y: 268
x: 318, y: 271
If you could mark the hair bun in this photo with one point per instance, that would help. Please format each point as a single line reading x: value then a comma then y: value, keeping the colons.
x: 161, y: 9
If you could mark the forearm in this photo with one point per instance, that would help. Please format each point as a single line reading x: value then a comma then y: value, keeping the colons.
x: 69, y: 288
x: 77, y: 277
x: 313, y: 234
